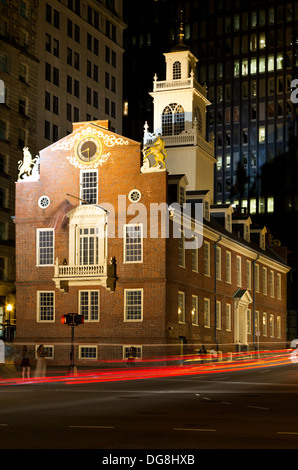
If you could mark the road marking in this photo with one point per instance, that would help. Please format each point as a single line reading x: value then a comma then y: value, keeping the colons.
x: 264, y: 371
x: 93, y: 427
x: 194, y: 429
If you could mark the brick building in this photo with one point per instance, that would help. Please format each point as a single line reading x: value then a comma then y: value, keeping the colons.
x: 108, y: 241
x: 87, y: 243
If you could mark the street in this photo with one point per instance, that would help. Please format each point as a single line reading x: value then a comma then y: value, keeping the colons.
x: 219, y: 409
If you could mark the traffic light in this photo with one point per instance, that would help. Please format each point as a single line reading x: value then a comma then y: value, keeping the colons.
x: 66, y: 319
x: 72, y: 319
x: 78, y: 319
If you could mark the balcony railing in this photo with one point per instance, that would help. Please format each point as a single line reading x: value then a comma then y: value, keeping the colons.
x: 73, y: 274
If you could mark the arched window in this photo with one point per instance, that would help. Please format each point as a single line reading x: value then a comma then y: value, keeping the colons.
x: 176, y: 70
x: 173, y: 120
x: 199, y: 119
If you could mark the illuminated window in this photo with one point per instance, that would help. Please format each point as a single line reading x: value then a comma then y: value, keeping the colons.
x: 218, y: 315
x: 195, y: 310
x: 248, y: 274
x: 207, y: 313
x: 89, y: 186
x: 265, y: 281
x: 206, y: 258
x: 270, y: 204
x: 177, y: 70
x: 271, y: 325
x: 262, y: 134
x: 181, y: 307
x: 45, y: 247
x: 133, y: 243
x: 253, y: 206
x: 253, y: 66
x: 239, y: 274
x: 264, y: 324
x: 249, y: 321
x: 278, y: 286
x: 228, y: 267
x: 278, y: 327
x: 133, y: 304
x: 228, y: 317
x: 173, y: 120
x: 45, y: 306
x: 89, y: 305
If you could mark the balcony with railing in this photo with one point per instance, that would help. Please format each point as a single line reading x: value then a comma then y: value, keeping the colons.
x: 66, y: 275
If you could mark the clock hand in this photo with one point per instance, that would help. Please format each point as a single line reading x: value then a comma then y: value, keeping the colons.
x: 86, y: 150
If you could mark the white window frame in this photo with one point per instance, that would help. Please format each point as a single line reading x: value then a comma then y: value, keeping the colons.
x: 265, y: 283
x: 83, y: 188
x: 207, y: 316
x: 87, y: 317
x: 257, y: 320
x: 239, y: 271
x: 257, y: 278
x: 228, y: 267
x: 265, y: 324
x: 126, y: 347
x: 271, y: 280
x: 218, y: 315
x: 195, y: 259
x: 126, y: 305
x: 181, y: 250
x: 91, y: 347
x: 248, y: 274
x: 130, y: 246
x: 181, y: 307
x: 278, y: 281
x: 278, y: 326
x: 39, y: 231
x: 249, y: 321
x: 195, y: 310
x: 39, y: 306
x: 218, y: 263
x: 271, y: 325
x: 228, y: 317
x: 206, y: 258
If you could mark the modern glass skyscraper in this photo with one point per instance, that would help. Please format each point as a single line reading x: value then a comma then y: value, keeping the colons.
x: 248, y: 58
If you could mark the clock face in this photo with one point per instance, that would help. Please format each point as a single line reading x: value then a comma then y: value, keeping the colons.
x: 88, y: 149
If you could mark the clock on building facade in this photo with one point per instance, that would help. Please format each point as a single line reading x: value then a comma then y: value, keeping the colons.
x: 88, y: 149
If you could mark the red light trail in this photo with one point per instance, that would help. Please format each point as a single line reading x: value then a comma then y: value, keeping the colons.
x: 190, y: 365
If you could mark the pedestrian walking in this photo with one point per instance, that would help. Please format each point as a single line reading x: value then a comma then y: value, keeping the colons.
x: 213, y: 354
x: 40, y: 370
x: 25, y: 363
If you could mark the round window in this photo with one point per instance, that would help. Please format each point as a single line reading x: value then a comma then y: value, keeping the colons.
x: 134, y: 195
x: 44, y: 201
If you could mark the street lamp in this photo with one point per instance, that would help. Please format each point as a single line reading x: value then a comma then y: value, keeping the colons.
x: 9, y: 309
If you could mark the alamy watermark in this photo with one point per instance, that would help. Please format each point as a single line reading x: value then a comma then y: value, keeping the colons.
x: 294, y: 94
x: 155, y: 221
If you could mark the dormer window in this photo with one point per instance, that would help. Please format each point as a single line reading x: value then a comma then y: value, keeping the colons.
x: 262, y: 241
x: 182, y: 195
x: 173, y: 120
x: 206, y: 210
x: 246, y: 233
x: 177, y: 70
x: 229, y: 222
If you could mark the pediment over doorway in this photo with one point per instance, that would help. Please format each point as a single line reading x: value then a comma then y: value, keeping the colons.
x: 243, y: 295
